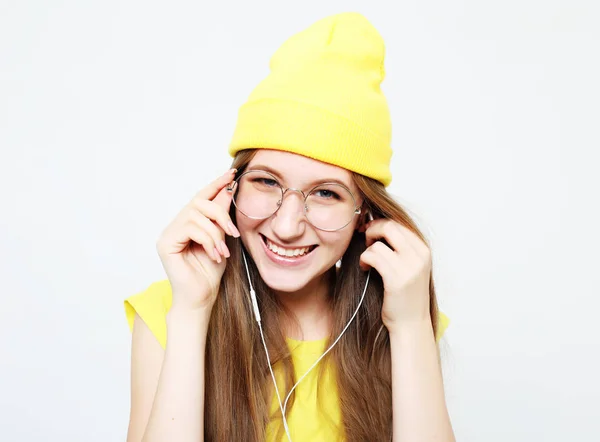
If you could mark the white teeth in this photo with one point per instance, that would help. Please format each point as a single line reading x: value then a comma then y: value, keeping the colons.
x: 287, y: 252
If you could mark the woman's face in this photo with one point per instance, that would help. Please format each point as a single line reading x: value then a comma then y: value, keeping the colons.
x: 287, y: 232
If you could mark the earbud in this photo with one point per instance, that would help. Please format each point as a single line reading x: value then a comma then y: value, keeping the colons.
x: 252, y: 292
x: 231, y: 186
x: 255, y: 305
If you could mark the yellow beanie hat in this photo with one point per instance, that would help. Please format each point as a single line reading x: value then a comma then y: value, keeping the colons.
x: 322, y: 99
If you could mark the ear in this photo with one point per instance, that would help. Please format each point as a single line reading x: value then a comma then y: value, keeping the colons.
x: 365, y: 217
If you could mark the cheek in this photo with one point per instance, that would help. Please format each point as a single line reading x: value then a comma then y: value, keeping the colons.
x: 248, y: 231
x: 337, y: 243
x: 245, y: 224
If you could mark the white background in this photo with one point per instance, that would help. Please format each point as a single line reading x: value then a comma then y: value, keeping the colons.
x: 113, y: 114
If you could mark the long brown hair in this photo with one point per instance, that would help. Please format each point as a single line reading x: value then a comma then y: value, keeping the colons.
x: 238, y: 387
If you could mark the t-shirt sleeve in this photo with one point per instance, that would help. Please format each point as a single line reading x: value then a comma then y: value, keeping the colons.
x: 153, y: 303
x: 152, y: 306
x: 443, y: 323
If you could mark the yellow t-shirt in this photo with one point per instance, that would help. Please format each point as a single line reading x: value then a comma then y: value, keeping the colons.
x: 307, y: 421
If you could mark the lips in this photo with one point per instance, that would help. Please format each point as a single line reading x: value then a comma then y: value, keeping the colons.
x: 288, y: 253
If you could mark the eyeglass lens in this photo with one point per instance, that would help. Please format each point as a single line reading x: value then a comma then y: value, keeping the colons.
x: 258, y: 195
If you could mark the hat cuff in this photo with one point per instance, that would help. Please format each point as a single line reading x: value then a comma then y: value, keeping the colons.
x: 317, y: 133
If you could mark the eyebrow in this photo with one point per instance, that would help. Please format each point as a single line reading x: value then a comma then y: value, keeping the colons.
x: 312, y: 184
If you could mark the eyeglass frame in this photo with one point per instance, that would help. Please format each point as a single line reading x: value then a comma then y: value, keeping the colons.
x: 357, y: 209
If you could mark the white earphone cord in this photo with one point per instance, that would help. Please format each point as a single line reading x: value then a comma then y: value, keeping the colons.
x: 262, y: 337
x: 258, y: 320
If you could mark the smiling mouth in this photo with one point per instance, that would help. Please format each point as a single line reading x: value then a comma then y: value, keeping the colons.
x: 285, y: 252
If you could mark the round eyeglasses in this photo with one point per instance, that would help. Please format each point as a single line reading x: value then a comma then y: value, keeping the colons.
x: 258, y: 195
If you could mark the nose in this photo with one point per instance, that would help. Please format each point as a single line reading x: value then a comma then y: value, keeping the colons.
x: 289, y: 223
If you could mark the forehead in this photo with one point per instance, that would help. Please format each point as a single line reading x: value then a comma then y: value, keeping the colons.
x: 300, y: 170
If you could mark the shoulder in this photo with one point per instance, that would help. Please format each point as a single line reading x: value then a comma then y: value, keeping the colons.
x: 151, y: 305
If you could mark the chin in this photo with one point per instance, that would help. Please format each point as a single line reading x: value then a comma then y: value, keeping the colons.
x: 286, y: 282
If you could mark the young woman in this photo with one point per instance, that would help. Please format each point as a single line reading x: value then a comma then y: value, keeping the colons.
x: 299, y: 303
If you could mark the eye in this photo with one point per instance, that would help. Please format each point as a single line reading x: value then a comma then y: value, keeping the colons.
x: 327, y: 194
x: 267, y: 182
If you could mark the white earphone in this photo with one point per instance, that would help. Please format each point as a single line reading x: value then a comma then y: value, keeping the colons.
x: 282, y: 407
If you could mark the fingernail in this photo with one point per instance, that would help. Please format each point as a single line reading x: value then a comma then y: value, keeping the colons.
x: 218, y: 255
x: 225, y: 249
x: 234, y: 231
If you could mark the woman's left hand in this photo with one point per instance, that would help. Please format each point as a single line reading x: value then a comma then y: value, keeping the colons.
x: 404, y: 266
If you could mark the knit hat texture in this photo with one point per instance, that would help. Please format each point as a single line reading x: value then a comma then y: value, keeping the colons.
x: 322, y: 99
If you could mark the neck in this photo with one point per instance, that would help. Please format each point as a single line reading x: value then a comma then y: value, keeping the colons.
x: 311, y: 308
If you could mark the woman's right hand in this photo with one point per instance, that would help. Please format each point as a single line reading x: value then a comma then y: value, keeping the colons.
x: 192, y: 247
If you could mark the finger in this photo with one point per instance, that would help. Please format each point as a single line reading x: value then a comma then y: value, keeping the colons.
x: 223, y: 199
x: 417, y: 243
x: 399, y: 237
x: 209, y: 227
x: 202, y: 238
x: 218, y: 214
x: 380, y: 257
x: 210, y: 191
x: 182, y: 234
x: 385, y: 229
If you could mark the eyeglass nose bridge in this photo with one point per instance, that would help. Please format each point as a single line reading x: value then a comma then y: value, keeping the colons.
x: 300, y: 191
